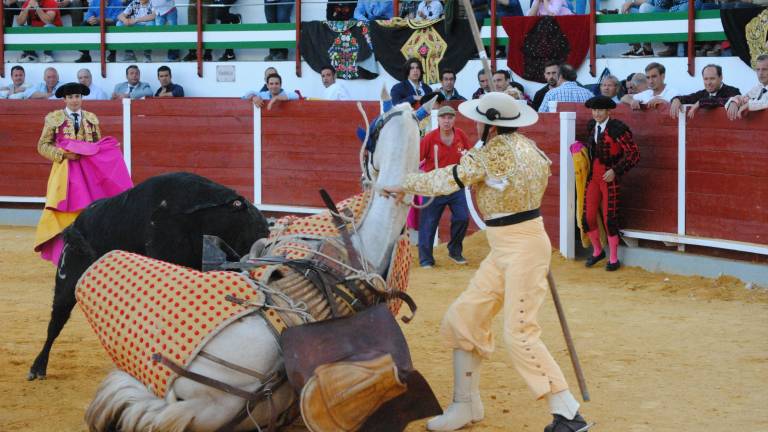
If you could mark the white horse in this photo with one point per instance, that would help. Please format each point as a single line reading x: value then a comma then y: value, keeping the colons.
x: 124, y: 403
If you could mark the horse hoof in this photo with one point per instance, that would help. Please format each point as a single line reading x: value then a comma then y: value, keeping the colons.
x: 31, y: 376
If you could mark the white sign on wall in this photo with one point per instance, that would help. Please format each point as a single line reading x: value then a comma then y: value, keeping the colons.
x: 225, y: 73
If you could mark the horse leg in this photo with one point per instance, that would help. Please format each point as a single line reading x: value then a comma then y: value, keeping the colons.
x: 71, y: 267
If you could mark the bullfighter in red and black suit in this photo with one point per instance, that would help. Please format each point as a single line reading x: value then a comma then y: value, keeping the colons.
x: 612, y: 153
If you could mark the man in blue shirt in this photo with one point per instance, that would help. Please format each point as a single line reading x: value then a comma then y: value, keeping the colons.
x: 92, y: 17
x: 167, y: 88
x: 567, y: 90
x: 369, y: 10
x: 274, y: 93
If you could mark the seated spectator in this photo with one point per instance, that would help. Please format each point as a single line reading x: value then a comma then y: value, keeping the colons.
x: 167, y: 88
x: 507, y: 8
x: 42, y: 13
x: 658, y: 92
x: 138, y: 13
x: 447, y: 82
x: 429, y: 10
x: 412, y: 89
x: 47, y: 88
x: 482, y: 81
x: 92, y: 18
x: 482, y: 10
x: 267, y: 72
x: 501, y: 80
x: 609, y: 87
x: 16, y: 88
x: 648, y: 6
x: 85, y: 78
x: 370, y: 10
x: 73, y: 8
x: 568, y: 90
x: 333, y: 90
x: 551, y: 76
x: 714, y: 95
x: 756, y: 99
x: 278, y: 11
x: 549, y: 8
x: 8, y: 11
x: 133, y: 87
x: 167, y: 14
x: 638, y: 83
x: 274, y: 93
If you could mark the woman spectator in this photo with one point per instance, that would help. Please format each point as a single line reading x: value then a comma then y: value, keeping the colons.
x: 549, y: 8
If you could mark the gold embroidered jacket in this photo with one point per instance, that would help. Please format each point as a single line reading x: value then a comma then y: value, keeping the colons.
x: 58, y: 124
x: 510, y: 171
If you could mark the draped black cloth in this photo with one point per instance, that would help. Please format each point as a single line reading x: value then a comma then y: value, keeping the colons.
x: 734, y: 24
x: 341, y: 44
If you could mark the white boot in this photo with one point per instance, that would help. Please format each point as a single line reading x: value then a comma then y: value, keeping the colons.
x: 464, y: 410
x: 478, y: 411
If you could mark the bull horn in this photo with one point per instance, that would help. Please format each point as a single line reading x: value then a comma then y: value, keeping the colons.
x: 386, y: 100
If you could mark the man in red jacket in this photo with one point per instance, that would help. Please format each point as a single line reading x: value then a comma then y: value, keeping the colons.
x: 442, y: 147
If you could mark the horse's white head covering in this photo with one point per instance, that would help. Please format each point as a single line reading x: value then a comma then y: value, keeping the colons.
x: 499, y: 109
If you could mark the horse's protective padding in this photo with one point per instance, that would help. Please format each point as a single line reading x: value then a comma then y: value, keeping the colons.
x: 140, y: 306
x: 341, y: 396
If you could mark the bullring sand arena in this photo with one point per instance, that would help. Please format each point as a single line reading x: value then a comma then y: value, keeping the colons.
x: 661, y: 353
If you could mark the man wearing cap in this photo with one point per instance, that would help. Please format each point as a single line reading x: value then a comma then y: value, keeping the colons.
x: 613, y: 152
x: 440, y: 148
x: 510, y: 175
x: 71, y: 122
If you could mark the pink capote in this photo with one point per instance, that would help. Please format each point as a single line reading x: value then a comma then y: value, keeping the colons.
x: 99, y: 173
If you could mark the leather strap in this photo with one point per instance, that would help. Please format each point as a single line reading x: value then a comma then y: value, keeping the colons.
x: 513, y: 219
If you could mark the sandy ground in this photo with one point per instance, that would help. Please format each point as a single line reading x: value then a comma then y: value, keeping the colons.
x: 660, y: 352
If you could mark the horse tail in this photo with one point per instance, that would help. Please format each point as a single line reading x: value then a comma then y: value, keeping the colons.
x: 123, y: 403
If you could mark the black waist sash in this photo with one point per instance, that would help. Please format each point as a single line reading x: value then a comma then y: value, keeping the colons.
x: 514, y: 218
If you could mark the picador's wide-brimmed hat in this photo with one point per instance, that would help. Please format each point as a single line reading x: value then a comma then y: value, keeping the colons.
x: 499, y: 109
x: 72, y: 88
x: 600, y: 102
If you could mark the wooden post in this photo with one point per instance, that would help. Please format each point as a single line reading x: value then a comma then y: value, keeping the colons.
x: 691, y: 37
x: 396, y: 8
x: 592, y: 37
x: 199, y: 6
x: 298, y: 38
x: 2, y: 40
x: 493, y: 36
x: 103, y: 39
x: 478, y: 40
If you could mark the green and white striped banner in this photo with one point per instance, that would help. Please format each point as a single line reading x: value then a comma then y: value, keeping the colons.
x: 652, y: 27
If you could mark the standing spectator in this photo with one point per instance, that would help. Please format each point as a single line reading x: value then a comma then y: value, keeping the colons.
x: 412, y: 89
x: 756, y: 99
x: 613, y: 153
x: 167, y: 14
x: 484, y: 87
x: 658, y: 92
x: 138, y: 13
x: 42, y: 13
x: 549, y: 8
x: 209, y: 17
x: 369, y: 10
x: 226, y: 17
x: 442, y: 147
x: 609, y: 87
x: 568, y: 90
x: 333, y: 90
x: 133, y: 87
x: 275, y: 93
x: 92, y: 18
x: 447, y: 83
x: 85, y: 78
x: 278, y: 11
x: 167, y: 88
x: 714, y: 95
x: 47, y: 88
x: 429, y: 10
x: 551, y: 76
x: 16, y: 88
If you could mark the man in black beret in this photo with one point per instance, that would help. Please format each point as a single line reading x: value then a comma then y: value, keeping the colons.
x: 612, y: 153
x: 74, y: 123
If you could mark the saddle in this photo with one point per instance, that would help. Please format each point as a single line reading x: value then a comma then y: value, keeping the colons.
x: 363, y: 340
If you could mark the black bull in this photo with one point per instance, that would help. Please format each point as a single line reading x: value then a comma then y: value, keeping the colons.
x: 165, y: 217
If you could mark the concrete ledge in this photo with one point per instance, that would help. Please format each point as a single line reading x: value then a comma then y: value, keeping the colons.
x: 693, y: 265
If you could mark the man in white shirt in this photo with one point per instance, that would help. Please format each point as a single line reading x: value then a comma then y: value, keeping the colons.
x: 47, y: 88
x: 333, y: 90
x: 16, y: 88
x: 658, y: 92
x: 756, y: 99
x: 85, y: 78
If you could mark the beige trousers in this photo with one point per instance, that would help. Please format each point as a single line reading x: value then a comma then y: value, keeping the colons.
x: 514, y: 277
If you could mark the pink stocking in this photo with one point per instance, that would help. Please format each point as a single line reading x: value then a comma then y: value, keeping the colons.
x: 594, y: 237
x: 613, y: 245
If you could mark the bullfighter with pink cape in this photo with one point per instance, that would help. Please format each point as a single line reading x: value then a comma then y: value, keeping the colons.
x: 85, y: 168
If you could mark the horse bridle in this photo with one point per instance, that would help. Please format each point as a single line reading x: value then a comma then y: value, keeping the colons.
x: 378, y: 125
